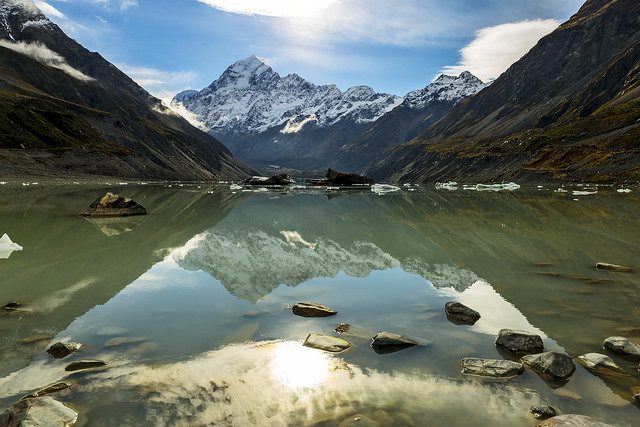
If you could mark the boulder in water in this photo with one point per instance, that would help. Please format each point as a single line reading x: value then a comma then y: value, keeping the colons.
x: 61, y: 350
x: 42, y: 411
x: 12, y: 306
x: 543, y: 412
x: 113, y: 205
x: 623, y: 346
x: 84, y: 364
x: 613, y: 267
x: 552, y: 364
x: 519, y: 341
x: 389, y: 339
x: 460, y: 313
x: 327, y: 343
x: 491, y: 367
x: 53, y: 388
x: 599, y: 362
x: 310, y: 309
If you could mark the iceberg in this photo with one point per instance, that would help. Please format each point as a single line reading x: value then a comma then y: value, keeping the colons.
x: 624, y: 191
x: 451, y: 186
x: 235, y: 187
x: 511, y: 186
x: 7, y: 247
x: 584, y: 193
x: 384, y: 188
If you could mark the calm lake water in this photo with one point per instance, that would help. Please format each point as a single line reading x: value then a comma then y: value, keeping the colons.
x: 191, y: 305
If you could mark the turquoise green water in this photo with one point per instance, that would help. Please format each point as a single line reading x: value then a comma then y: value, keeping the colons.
x: 190, y: 306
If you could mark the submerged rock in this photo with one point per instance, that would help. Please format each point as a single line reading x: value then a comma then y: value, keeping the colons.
x: 623, y: 346
x: 275, y: 180
x: 327, y: 343
x: 121, y: 341
x: 36, y: 339
x: 551, y: 363
x: 43, y: 411
x: 310, y: 309
x: 519, y: 341
x: 597, y: 361
x: 343, y: 328
x: 389, y: 339
x: 614, y: 267
x: 84, y: 364
x: 12, y: 306
x: 542, y: 412
x: 491, y: 367
x: 458, y: 312
x: 61, y: 350
x: 53, y: 388
x: 111, y: 205
x: 572, y: 420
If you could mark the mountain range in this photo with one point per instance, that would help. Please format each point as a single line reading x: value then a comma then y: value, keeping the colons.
x: 268, y: 119
x: 66, y: 111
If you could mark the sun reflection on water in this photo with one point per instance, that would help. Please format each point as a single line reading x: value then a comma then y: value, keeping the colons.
x: 297, y: 366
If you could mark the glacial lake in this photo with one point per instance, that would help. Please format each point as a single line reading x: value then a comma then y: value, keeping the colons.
x: 190, y: 306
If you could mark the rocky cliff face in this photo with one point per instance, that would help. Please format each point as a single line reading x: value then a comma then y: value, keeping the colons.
x: 569, y: 109
x: 67, y: 111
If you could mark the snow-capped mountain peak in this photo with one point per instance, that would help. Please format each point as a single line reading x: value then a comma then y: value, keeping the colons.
x: 446, y: 88
x: 17, y: 15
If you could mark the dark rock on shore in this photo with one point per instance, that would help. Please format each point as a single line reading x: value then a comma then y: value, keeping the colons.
x: 460, y: 313
x: 327, y: 343
x: 84, y: 364
x: 61, y: 350
x: 43, y: 411
x: 53, y: 388
x: 623, y: 346
x: 113, y: 205
x: 519, y: 341
x: 491, y: 367
x: 542, y: 412
x: 339, y: 179
x: 614, y: 267
x: 572, y: 420
x: 552, y: 364
x: 12, y: 305
x: 310, y: 309
x: 275, y: 180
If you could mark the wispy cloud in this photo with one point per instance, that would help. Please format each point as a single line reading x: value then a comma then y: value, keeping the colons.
x: 41, y: 53
x: 279, y: 8
x: 494, y: 49
x: 48, y: 9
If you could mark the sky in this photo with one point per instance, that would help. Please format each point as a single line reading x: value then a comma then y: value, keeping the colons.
x: 394, y: 46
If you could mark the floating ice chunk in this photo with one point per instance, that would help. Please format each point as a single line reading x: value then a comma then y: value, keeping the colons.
x: 584, y: 193
x: 561, y: 190
x: 235, y: 187
x: 300, y: 187
x: 511, y: 186
x: 3, y: 182
x: 451, y: 186
x: 384, y: 188
x: 7, y: 247
x: 624, y: 190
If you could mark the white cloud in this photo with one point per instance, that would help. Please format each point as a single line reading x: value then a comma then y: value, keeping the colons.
x: 48, y: 9
x: 41, y: 53
x: 279, y: 8
x: 494, y: 49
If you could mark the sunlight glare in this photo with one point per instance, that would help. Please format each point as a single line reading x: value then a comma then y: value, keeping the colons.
x: 300, y: 367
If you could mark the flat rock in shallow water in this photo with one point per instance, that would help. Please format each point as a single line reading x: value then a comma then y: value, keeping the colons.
x: 327, y: 343
x: 61, y: 350
x: 53, y: 388
x: 599, y: 362
x: 571, y: 420
x: 613, y: 267
x: 491, y: 367
x: 310, y: 309
x: 623, y: 346
x: 111, y: 205
x: 84, y: 364
x: 519, y: 341
x: 551, y: 363
x: 542, y: 412
x: 389, y: 339
x: 458, y: 312
x: 43, y: 411
x: 36, y: 339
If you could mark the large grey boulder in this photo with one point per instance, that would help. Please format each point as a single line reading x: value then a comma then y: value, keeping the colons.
x: 113, y: 205
x: 39, y: 412
x: 61, y: 350
x: 460, y: 313
x: 599, y: 362
x: 519, y: 341
x: 491, y: 367
x: 623, y: 346
x: 553, y: 364
x: 310, y: 309
x: 389, y: 339
x: 327, y: 343
x: 571, y: 420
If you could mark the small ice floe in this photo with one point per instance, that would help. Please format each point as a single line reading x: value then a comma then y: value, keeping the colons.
x: 510, y: 186
x: 384, y: 188
x: 624, y: 190
x: 300, y: 187
x: 7, y: 247
x: 293, y: 237
x: 123, y: 183
x: 25, y: 184
x: 406, y: 185
x: 584, y: 193
x: 3, y: 182
x: 451, y: 186
x: 561, y: 190
x: 235, y: 187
